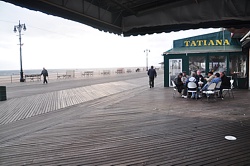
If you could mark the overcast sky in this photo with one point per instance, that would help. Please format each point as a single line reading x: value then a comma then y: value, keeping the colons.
x: 57, y: 43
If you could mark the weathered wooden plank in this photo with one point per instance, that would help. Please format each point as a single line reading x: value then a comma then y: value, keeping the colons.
x: 43, y: 103
x: 146, y: 128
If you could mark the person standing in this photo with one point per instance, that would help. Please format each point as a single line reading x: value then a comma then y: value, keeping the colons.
x: 152, y: 75
x: 45, y: 75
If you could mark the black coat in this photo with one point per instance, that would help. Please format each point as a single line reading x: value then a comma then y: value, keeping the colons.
x: 225, y: 82
x: 44, y: 73
x: 178, y: 81
x: 152, y: 73
x: 198, y: 77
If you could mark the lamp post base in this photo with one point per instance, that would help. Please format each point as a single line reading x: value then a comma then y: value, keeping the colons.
x: 21, y: 74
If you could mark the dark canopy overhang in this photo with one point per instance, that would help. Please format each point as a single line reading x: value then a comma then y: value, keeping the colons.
x: 140, y: 17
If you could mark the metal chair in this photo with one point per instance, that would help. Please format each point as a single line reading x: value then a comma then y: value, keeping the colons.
x: 174, y: 88
x: 217, y: 88
x: 228, y: 91
x: 192, y: 88
x: 210, y: 90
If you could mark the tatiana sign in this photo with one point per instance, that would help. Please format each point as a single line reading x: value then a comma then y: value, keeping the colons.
x: 197, y: 43
x: 221, y: 38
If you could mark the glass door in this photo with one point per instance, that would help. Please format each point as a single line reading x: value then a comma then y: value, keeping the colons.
x: 175, y: 67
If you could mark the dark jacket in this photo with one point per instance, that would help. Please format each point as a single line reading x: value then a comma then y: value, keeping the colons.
x: 44, y: 72
x: 199, y: 77
x: 225, y: 82
x: 152, y: 73
x: 178, y: 81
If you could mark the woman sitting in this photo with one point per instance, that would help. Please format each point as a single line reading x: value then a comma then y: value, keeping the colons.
x: 216, y: 79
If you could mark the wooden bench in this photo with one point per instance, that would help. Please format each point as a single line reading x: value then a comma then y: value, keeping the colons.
x: 63, y: 76
x: 88, y: 73
x: 106, y: 72
x: 66, y: 76
x: 59, y: 76
x: 120, y: 71
x: 32, y: 77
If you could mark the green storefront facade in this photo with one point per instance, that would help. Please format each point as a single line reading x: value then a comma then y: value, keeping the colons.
x: 211, y: 52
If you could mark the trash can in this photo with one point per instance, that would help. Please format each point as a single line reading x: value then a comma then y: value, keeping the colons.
x: 3, y: 95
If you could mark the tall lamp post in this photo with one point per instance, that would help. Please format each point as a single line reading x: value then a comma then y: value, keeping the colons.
x: 19, y: 28
x: 147, y: 51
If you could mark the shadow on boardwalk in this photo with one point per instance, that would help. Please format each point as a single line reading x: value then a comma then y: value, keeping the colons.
x: 136, y: 126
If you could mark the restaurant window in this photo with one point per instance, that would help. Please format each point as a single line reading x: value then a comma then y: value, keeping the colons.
x: 197, y: 63
x: 237, y: 66
x: 217, y: 63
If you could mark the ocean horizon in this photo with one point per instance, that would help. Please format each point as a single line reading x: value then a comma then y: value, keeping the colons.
x: 38, y: 71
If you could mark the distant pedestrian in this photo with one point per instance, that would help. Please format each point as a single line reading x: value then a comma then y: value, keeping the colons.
x: 45, y: 74
x: 152, y: 75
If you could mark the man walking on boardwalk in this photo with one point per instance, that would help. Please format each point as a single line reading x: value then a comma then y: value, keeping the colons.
x: 45, y: 74
x: 152, y: 75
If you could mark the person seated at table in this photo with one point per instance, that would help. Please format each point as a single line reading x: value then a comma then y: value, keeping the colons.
x: 210, y: 77
x: 179, y: 83
x: 190, y: 79
x: 199, y: 77
x: 184, y: 77
x: 216, y: 79
x: 225, y: 82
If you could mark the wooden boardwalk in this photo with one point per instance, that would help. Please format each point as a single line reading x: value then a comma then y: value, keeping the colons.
x: 123, y: 123
x: 24, y: 107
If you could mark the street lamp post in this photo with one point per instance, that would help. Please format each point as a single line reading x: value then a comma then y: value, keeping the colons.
x: 147, y: 51
x: 19, y: 27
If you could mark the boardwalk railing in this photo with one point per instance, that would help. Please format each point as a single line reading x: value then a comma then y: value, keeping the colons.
x: 54, y: 76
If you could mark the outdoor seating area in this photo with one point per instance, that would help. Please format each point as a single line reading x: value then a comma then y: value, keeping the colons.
x: 198, y: 87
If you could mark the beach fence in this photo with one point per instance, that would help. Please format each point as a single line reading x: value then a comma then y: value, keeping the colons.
x: 68, y: 74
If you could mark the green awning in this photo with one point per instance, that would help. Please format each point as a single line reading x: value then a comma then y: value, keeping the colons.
x: 188, y: 50
x: 214, y: 42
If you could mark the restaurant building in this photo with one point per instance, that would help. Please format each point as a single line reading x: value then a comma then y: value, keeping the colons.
x: 210, y: 52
